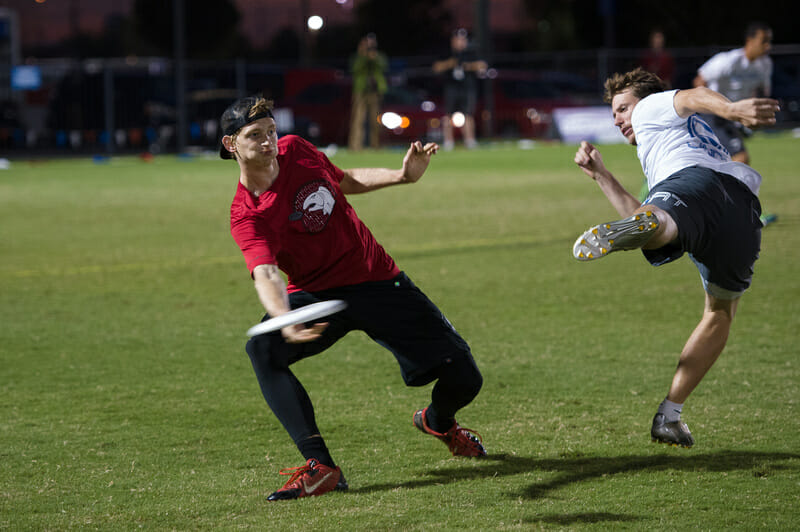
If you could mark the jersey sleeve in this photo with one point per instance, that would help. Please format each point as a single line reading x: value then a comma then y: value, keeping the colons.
x: 258, y: 244
x: 656, y: 111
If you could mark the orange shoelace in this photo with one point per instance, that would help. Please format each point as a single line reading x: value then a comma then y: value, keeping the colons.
x: 295, y: 472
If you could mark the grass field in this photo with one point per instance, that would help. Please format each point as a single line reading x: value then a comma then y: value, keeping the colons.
x: 127, y: 400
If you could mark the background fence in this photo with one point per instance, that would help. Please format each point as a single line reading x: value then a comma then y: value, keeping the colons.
x: 129, y: 105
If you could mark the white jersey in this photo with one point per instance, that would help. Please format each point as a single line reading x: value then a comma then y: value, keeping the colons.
x: 666, y: 143
x: 733, y: 75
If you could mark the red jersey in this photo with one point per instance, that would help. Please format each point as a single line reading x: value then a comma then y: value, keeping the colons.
x: 304, y: 224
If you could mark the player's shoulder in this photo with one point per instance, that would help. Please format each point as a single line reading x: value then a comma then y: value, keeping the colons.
x: 726, y: 57
x: 289, y: 143
x: 656, y: 99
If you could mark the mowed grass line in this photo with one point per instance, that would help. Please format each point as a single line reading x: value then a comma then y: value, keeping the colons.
x: 128, y: 401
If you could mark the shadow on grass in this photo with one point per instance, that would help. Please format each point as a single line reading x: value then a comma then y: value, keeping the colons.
x: 589, y: 517
x: 572, y: 470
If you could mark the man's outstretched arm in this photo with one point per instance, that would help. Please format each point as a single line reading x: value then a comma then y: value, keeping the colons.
x: 752, y: 112
x: 589, y: 160
x: 415, y: 162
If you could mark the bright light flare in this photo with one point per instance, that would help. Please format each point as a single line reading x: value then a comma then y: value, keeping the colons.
x: 393, y: 120
x: 315, y: 23
x: 459, y: 119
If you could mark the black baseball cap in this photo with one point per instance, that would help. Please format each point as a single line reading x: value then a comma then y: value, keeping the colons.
x: 236, y: 116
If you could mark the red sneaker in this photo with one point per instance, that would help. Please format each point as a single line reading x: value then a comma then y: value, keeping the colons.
x: 461, y: 441
x: 306, y: 481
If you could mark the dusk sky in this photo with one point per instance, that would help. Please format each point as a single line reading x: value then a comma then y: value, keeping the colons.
x: 46, y: 21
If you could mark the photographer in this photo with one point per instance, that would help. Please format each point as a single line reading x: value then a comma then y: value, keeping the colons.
x: 369, y: 85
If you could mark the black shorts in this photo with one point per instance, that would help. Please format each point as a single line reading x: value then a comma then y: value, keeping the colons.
x: 718, y: 225
x: 730, y: 134
x: 394, y: 313
x: 460, y: 98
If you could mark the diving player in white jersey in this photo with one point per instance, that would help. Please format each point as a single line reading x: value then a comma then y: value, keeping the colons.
x: 699, y: 202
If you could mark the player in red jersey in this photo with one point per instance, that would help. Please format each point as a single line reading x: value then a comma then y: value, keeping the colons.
x: 290, y: 214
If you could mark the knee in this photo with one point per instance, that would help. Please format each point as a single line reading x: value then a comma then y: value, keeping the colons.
x: 467, y: 374
x: 476, y: 382
x: 667, y: 231
x: 267, y: 352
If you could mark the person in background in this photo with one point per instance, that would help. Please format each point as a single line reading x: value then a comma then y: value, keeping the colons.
x: 657, y: 59
x: 368, y: 68
x: 461, y: 72
x: 738, y: 74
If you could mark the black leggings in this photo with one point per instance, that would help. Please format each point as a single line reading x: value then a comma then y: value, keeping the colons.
x: 457, y: 384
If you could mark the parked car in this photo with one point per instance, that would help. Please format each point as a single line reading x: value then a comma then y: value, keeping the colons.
x: 524, y: 102
x: 321, y: 113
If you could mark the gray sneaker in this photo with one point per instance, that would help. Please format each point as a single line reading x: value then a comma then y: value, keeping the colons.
x: 631, y: 233
x: 673, y: 433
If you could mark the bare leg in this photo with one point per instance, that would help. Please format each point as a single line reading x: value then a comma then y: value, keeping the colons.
x: 356, y: 140
x: 373, y: 111
x: 667, y: 228
x: 469, y: 131
x: 703, y: 347
x: 447, y: 131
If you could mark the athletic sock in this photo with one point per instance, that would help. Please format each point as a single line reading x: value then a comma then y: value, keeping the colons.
x: 671, y: 411
x: 314, y: 447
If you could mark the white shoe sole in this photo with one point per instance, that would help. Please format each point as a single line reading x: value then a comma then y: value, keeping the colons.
x: 631, y: 233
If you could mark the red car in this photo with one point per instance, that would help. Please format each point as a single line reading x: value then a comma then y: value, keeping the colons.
x: 524, y: 102
x: 321, y: 113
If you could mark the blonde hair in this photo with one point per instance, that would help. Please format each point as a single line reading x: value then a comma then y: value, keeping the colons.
x: 262, y: 105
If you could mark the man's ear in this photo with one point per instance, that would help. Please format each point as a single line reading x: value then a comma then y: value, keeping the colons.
x: 229, y: 144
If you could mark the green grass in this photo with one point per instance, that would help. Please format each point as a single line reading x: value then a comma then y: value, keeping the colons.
x: 127, y: 399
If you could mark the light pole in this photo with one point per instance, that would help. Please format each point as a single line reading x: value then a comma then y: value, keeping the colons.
x: 179, y: 29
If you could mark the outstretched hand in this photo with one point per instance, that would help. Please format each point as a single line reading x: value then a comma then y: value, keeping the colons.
x: 589, y: 160
x: 416, y: 160
x: 755, y: 112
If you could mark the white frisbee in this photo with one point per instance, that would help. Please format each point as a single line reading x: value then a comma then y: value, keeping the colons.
x: 305, y: 314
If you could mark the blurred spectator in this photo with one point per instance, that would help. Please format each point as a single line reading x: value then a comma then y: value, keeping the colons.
x: 369, y: 85
x: 658, y: 60
x: 739, y: 74
x: 461, y: 87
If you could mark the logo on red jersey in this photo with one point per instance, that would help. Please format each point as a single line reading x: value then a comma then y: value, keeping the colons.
x: 313, y: 204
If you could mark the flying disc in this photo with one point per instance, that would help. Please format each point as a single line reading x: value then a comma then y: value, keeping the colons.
x: 305, y: 314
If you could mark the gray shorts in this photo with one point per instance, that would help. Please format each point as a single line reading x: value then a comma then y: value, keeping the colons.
x: 718, y: 225
x: 730, y: 134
